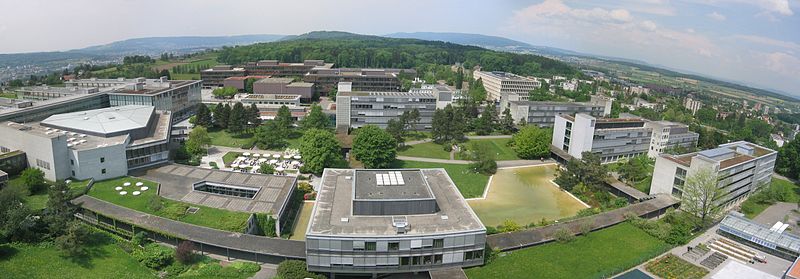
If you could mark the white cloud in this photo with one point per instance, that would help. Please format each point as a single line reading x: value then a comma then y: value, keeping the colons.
x: 767, y: 41
x: 780, y: 62
x: 768, y: 7
x: 716, y: 16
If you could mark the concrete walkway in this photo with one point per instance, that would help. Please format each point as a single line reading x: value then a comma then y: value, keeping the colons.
x: 500, y: 164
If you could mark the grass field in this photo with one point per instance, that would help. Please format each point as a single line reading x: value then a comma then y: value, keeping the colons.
x: 229, y: 157
x: 470, y: 184
x: 8, y: 95
x: 600, y: 254
x: 207, y: 217
x: 424, y: 150
x: 436, y: 151
x: 105, y: 260
x: 671, y: 266
x: 222, y: 138
x: 498, y: 146
x: 38, y: 201
x: 755, y: 204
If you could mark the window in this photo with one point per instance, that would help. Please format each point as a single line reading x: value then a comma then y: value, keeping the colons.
x: 358, y: 245
x: 102, y: 159
x: 437, y: 259
x: 71, y: 162
x: 428, y: 259
x: 103, y: 171
x: 73, y: 173
x: 370, y: 246
x: 42, y: 164
x: 405, y: 260
x: 416, y: 260
x: 438, y: 243
x: 393, y: 246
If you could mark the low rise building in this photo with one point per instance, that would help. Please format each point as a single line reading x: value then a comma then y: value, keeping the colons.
x: 670, y: 136
x: 692, y: 104
x: 373, y: 222
x: 445, y: 94
x: 356, y: 109
x: 240, y: 83
x: 100, y: 144
x: 741, y: 168
x: 543, y: 114
x: 378, y: 80
x: 498, y: 84
x: 611, y: 139
x: 284, y: 86
x: 282, y: 69
x: 215, y: 76
x: 269, y: 104
x: 41, y: 93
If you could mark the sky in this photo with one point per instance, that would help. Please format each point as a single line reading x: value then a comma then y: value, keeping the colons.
x: 755, y: 42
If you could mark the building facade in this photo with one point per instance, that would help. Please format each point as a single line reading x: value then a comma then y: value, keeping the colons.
x: 670, y: 136
x: 378, y: 80
x: 402, y: 221
x: 357, y: 109
x: 282, y: 69
x: 611, y: 139
x: 179, y: 97
x: 284, y: 86
x: 498, y: 84
x: 741, y: 168
x: 543, y: 114
x: 215, y: 76
x: 692, y: 104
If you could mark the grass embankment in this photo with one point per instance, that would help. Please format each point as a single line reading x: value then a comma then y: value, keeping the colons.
x: 38, y: 200
x: 600, y: 254
x: 470, y: 184
x: 778, y: 190
x: 149, y: 202
x: 104, y: 260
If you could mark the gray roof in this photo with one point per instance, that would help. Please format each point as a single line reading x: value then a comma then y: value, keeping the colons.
x: 759, y: 234
x: 103, y: 121
x: 391, y: 184
x: 333, y: 216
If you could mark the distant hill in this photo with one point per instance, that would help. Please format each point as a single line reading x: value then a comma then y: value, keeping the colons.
x: 485, y: 41
x: 175, y: 44
x: 327, y: 35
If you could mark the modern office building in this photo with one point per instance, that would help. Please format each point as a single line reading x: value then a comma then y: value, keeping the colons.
x: 284, y: 86
x: 444, y: 93
x: 371, y: 222
x: 42, y: 93
x: 215, y: 76
x: 741, y: 168
x: 379, y: 80
x: 610, y: 138
x: 181, y: 97
x: 100, y: 144
x: 239, y: 82
x: 269, y: 104
x: 357, y: 109
x: 40, y: 110
x: 670, y: 136
x: 277, y: 69
x: 543, y: 114
x: 498, y: 84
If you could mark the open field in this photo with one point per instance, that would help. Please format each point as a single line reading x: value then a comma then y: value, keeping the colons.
x: 470, y: 184
x: 223, y: 138
x: 432, y: 150
x: 498, y: 146
x: 600, y: 254
x: 105, y: 260
x: 149, y: 202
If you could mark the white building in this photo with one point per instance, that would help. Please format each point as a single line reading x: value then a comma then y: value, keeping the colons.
x: 741, y: 168
x: 610, y: 138
x: 670, y: 135
x: 692, y: 104
x: 498, y: 84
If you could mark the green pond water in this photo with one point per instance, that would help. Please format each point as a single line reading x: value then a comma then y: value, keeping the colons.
x: 524, y: 195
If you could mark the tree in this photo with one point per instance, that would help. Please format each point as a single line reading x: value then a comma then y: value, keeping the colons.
x: 477, y: 92
x: 73, y: 242
x: 788, y: 162
x: 284, y: 117
x: 33, y: 179
x: 221, y: 115
x: 60, y: 210
x: 507, y: 122
x: 224, y: 92
x: 320, y: 150
x: 184, y: 253
x: 532, y: 142
x: 253, y: 116
x: 198, y: 141
x: 482, y: 157
x: 203, y: 116
x: 315, y: 119
x: 459, y: 78
x: 485, y: 124
x: 248, y: 85
x: 700, y: 195
x: 237, y: 119
x: 271, y: 135
x: 374, y: 147
x: 266, y: 168
x: 636, y: 169
x: 332, y: 94
x: 447, y: 125
x: 414, y: 118
x: 587, y: 171
x: 396, y: 129
x: 294, y: 269
x: 165, y: 73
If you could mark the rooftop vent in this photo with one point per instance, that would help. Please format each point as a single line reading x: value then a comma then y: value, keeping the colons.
x: 345, y: 220
x: 444, y: 217
x: 400, y: 223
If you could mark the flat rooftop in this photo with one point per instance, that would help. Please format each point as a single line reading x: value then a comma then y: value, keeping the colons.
x: 152, y: 87
x: 76, y: 141
x: 387, y: 94
x: 103, y: 121
x: 507, y: 76
x: 391, y: 184
x: 275, y: 80
x: 333, y: 216
x: 728, y: 155
x: 177, y: 184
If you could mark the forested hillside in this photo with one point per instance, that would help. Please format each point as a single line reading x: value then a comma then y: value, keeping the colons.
x: 350, y: 50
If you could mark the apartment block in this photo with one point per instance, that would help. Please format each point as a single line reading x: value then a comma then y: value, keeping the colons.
x: 498, y: 84
x: 611, y: 139
x: 742, y: 168
x: 377, y: 222
x: 670, y: 136
x: 692, y: 104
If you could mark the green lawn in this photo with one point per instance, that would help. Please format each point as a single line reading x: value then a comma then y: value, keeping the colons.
x: 9, y: 95
x: 222, y: 138
x: 470, y: 184
x: 424, y: 150
x: 671, y: 266
x: 498, y: 146
x: 229, y: 157
x: 105, y: 260
x: 758, y: 203
x: 38, y: 201
x: 207, y: 217
x: 600, y: 254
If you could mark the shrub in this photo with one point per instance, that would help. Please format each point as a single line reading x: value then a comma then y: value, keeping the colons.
x: 72, y: 243
x: 310, y: 196
x: 175, y: 211
x: 154, y: 203
x: 212, y: 164
x: 246, y: 267
x: 266, y: 224
x: 139, y: 239
x: 176, y: 269
x: 154, y: 256
x: 294, y: 269
x: 563, y: 235
x: 491, y: 230
x: 305, y: 187
x: 586, y: 227
x: 184, y: 253
x: 266, y: 168
x: 509, y: 226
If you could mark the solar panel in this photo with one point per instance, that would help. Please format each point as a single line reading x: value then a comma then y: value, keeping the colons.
x: 379, y: 179
x: 392, y: 178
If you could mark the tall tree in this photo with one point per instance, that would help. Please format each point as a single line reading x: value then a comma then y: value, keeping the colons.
x: 482, y: 157
x: 203, y: 116
x: 396, y: 129
x: 198, y: 141
x: 587, y: 170
x: 320, y: 150
x: 414, y: 117
x: 532, y: 142
x: 253, y: 116
x: 700, y: 195
x: 374, y: 147
x: 315, y: 119
x: 33, y: 179
x: 485, y: 123
x: 459, y: 78
x: 271, y: 135
x: 284, y: 117
x: 221, y: 115
x: 788, y: 162
x: 507, y: 122
x: 477, y: 92
x: 60, y: 210
x: 237, y: 119
x: 447, y: 125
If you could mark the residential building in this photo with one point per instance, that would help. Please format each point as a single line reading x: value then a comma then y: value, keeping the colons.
x: 610, y: 138
x: 543, y: 114
x: 100, y: 144
x: 373, y: 222
x: 692, y: 104
x: 284, y: 86
x: 379, y: 80
x: 498, y: 84
x: 742, y: 168
x: 638, y: 90
x: 670, y: 136
x: 282, y: 69
x: 569, y: 85
x: 356, y: 109
x: 642, y: 103
x: 215, y: 76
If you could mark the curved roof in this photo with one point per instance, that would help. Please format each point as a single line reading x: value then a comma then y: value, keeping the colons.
x: 103, y: 121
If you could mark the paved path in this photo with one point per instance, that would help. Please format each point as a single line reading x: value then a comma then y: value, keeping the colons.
x: 500, y: 164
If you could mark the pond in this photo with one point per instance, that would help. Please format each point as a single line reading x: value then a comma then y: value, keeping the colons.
x: 525, y: 195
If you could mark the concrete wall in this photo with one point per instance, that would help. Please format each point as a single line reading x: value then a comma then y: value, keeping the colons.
x: 87, y: 163
x: 52, y: 152
x: 663, y: 176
